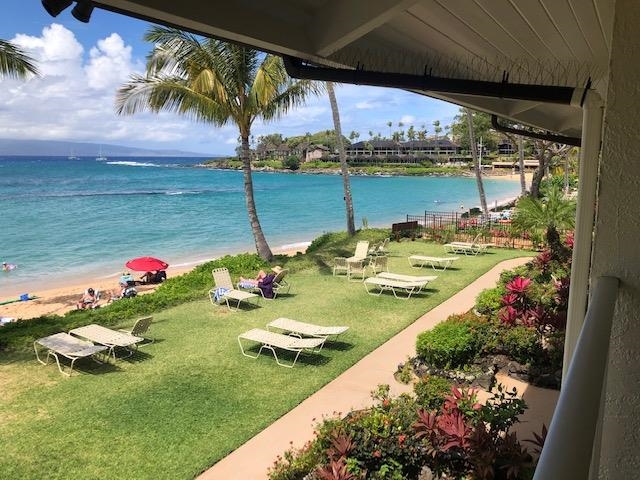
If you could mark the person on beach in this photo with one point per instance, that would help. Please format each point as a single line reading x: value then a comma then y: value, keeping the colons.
x: 158, y: 276
x: 126, y: 278
x: 88, y: 300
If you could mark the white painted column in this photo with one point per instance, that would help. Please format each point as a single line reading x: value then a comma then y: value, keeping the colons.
x: 587, y: 187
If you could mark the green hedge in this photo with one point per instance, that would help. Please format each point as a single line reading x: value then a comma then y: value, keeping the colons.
x: 450, y: 344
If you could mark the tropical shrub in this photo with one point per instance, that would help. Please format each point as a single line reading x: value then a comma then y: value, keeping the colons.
x: 397, y: 437
x: 449, y: 344
x: 489, y: 300
x: 431, y: 390
x: 521, y: 343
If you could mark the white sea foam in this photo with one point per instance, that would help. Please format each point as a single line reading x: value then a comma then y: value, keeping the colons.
x: 134, y: 164
x: 291, y: 246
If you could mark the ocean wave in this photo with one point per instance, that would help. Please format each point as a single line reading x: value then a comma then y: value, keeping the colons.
x: 135, y: 164
x: 290, y: 246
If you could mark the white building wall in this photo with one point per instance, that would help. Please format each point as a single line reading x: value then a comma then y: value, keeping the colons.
x: 616, y: 246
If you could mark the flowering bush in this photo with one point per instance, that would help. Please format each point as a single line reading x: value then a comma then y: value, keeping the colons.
x: 396, y: 438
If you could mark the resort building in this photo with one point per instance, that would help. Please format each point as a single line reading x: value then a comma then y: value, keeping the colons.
x: 565, y: 67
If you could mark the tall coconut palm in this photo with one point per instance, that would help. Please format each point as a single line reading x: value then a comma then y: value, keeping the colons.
x: 14, y: 62
x: 551, y: 213
x: 344, y: 168
x: 219, y: 83
x: 477, y: 166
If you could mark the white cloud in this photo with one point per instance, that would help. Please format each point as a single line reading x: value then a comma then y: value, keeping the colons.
x: 110, y: 63
x: 407, y: 119
x: 365, y: 105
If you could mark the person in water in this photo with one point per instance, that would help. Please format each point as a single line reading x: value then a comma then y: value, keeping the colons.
x: 7, y: 267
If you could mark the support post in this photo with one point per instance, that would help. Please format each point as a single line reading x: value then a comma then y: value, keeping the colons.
x: 581, y: 261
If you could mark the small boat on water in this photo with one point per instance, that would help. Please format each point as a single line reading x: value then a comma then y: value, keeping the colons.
x: 100, y: 157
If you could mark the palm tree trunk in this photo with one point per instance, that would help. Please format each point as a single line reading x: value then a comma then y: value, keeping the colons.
x: 351, y: 229
x: 476, y: 164
x: 523, y: 181
x: 262, y: 247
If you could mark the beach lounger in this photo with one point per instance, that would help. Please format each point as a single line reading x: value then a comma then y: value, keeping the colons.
x: 362, y: 250
x: 467, y: 248
x: 408, y: 278
x: 379, y: 249
x: 109, y: 338
x: 437, y: 263
x: 223, y: 290
x: 303, y: 329
x: 140, y: 329
x: 67, y: 346
x: 377, y: 285
x: 271, y: 341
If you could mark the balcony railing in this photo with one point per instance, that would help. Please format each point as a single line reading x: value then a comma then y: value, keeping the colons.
x: 569, y: 445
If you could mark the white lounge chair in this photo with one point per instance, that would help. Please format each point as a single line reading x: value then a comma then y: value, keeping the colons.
x: 468, y: 248
x: 271, y: 341
x: 140, y: 329
x: 377, y: 285
x: 408, y: 278
x: 303, y: 329
x: 109, y: 338
x: 437, y: 263
x: 380, y: 249
x: 362, y: 250
x: 67, y: 346
x: 223, y: 290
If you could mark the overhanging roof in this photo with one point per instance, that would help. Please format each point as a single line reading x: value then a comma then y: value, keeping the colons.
x: 531, y: 42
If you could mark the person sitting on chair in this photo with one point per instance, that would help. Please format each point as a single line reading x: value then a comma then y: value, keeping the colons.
x: 88, y: 300
x: 252, y: 282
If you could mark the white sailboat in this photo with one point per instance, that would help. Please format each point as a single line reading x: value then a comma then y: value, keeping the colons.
x: 72, y: 156
x: 101, y: 157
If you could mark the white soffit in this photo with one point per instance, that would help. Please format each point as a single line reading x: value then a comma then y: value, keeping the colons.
x: 537, y: 42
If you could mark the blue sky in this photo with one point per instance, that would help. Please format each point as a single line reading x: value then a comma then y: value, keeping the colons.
x: 82, y: 66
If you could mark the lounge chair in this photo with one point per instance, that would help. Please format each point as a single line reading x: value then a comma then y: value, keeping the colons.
x: 67, y: 346
x: 377, y: 285
x: 362, y: 250
x: 140, y: 329
x: 111, y: 339
x: 223, y: 290
x: 468, y: 248
x: 379, y: 249
x: 356, y: 268
x: 380, y: 263
x: 407, y: 278
x: 271, y: 341
x: 437, y: 263
x: 303, y: 329
x: 340, y: 265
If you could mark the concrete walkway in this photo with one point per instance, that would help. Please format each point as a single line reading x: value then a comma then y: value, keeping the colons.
x: 352, y: 390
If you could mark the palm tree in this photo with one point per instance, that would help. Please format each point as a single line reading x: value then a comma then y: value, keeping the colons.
x: 344, y: 168
x: 14, y: 62
x: 477, y: 166
x: 551, y: 213
x: 219, y: 83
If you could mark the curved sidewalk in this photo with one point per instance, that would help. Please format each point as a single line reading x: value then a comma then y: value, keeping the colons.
x: 351, y: 390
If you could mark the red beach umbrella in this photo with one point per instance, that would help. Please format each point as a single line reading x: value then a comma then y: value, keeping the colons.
x: 146, y: 264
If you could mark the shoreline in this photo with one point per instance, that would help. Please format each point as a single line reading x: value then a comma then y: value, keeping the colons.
x: 62, y: 298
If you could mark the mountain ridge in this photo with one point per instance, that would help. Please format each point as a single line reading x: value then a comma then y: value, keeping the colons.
x: 57, y: 148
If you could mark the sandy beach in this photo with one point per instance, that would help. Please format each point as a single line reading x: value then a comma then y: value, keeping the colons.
x: 63, y: 298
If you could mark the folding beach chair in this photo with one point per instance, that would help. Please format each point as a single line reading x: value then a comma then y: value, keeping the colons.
x: 272, y: 341
x: 304, y: 329
x: 223, y: 290
x: 68, y: 346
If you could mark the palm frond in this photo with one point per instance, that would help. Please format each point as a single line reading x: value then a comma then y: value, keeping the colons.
x: 14, y: 62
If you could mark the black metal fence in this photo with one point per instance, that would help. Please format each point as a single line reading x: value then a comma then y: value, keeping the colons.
x: 454, y: 226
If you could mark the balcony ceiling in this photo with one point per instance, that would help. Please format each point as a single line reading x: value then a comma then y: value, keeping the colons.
x: 537, y: 42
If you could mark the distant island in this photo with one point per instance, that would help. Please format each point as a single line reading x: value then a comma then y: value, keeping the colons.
x: 53, y: 148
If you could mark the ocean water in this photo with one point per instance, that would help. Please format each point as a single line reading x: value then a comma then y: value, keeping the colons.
x: 76, y: 219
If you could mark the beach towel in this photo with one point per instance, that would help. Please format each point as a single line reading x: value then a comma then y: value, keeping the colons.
x: 219, y: 292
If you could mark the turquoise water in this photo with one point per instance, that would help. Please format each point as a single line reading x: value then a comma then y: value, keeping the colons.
x: 75, y: 219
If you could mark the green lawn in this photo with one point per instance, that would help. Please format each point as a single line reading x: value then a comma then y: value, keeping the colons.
x: 190, y: 398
